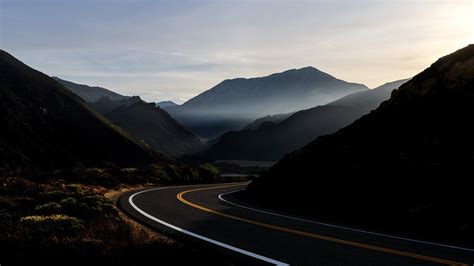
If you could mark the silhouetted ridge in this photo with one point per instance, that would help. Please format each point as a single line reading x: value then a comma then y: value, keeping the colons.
x: 272, y: 141
x: 88, y: 93
x: 147, y: 122
x: 406, y: 166
x: 155, y: 127
x: 46, y: 127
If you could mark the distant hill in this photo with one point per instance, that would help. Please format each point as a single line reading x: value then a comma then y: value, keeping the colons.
x: 88, y: 93
x: 234, y: 103
x: 46, y: 127
x: 105, y: 105
x: 407, y: 166
x: 269, y: 118
x: 166, y: 104
x: 156, y: 127
x: 272, y: 139
x: 146, y: 122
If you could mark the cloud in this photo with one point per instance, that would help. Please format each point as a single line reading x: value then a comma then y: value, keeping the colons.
x: 176, y: 49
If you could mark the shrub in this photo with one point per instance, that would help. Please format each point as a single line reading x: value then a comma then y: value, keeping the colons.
x: 85, y: 207
x: 35, y: 225
x: 68, y: 203
x: 158, y: 172
x: 50, y: 207
x: 54, y: 195
x: 189, y: 175
x: 208, y: 172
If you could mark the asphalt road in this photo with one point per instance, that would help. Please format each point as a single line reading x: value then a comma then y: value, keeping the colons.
x: 209, y: 216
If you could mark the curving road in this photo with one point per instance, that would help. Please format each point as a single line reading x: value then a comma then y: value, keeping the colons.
x: 208, y: 215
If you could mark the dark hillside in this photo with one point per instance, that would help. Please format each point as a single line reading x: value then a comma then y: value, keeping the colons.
x: 45, y: 126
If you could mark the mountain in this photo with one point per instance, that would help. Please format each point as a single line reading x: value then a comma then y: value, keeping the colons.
x: 155, y: 127
x: 105, y: 105
x: 46, y: 127
x: 272, y: 139
x: 88, y: 93
x: 269, y: 118
x: 406, y: 166
x: 145, y: 121
x: 234, y: 103
x: 164, y: 104
x: 370, y: 99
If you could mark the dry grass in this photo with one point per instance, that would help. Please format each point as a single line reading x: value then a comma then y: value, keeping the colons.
x: 139, y: 232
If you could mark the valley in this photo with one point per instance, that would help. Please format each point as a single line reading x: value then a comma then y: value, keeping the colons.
x: 236, y: 132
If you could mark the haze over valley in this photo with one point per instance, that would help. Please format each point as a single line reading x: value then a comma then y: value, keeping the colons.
x: 236, y: 132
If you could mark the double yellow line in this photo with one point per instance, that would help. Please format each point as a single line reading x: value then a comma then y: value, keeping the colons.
x: 307, y: 234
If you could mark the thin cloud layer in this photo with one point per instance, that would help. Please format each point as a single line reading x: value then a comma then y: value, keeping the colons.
x: 176, y: 49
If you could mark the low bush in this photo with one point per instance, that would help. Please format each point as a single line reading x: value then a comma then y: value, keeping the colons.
x: 50, y: 207
x: 56, y: 224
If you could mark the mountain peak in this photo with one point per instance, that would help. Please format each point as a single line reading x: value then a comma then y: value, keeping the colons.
x: 301, y: 71
x: 248, y: 99
x: 164, y: 104
x: 308, y: 69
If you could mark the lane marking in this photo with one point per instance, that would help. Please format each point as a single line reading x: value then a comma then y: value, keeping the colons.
x: 221, y: 197
x: 184, y: 231
x: 311, y: 235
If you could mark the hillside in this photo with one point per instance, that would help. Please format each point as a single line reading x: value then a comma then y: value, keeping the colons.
x: 155, y: 127
x: 406, y: 166
x: 278, y: 118
x: 105, y: 105
x: 46, y: 127
x: 234, y: 103
x: 271, y: 141
x: 146, y: 121
x: 90, y: 93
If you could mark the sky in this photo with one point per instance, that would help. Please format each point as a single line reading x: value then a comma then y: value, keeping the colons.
x: 174, y: 50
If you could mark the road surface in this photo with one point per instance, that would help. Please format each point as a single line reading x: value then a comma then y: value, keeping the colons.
x: 208, y: 215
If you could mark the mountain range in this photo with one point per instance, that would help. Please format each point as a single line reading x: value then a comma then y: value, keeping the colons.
x: 146, y: 121
x: 406, y: 166
x: 270, y: 138
x: 47, y: 127
x: 234, y: 103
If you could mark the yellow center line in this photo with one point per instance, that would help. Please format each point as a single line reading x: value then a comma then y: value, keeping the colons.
x: 307, y: 234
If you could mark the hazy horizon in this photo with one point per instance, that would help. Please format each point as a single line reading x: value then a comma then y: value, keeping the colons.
x: 174, y: 50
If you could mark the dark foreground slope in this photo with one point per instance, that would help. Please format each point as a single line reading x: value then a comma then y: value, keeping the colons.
x: 271, y: 141
x: 406, y: 166
x: 45, y: 126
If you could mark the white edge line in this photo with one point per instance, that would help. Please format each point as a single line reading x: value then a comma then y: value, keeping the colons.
x: 215, y: 242
x: 338, y: 226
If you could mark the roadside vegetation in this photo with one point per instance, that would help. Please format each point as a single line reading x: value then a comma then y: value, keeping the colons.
x: 64, y: 215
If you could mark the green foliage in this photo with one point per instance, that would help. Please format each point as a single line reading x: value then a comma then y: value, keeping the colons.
x: 53, y: 219
x: 174, y: 171
x: 181, y: 174
x: 158, y: 172
x: 50, y: 224
x: 208, y: 172
x: 85, y: 206
x: 68, y: 202
x: 50, y: 207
